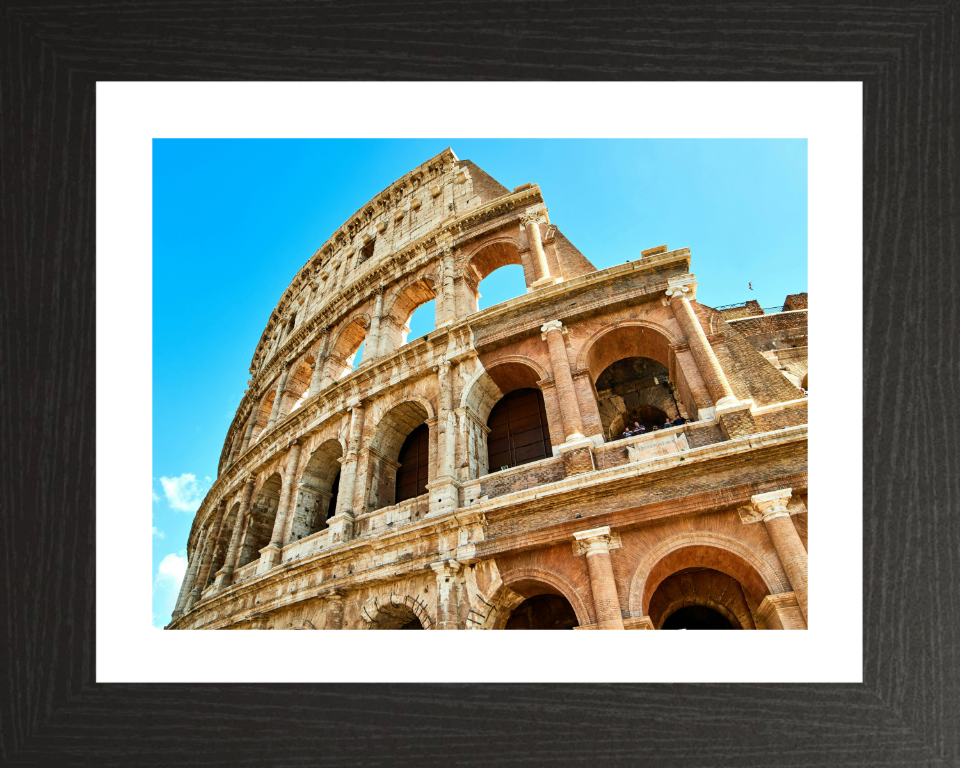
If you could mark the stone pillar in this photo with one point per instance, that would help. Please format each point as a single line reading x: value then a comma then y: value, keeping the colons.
x: 270, y: 555
x: 203, y: 576
x: 225, y: 574
x: 444, y: 491
x: 532, y: 224
x: 448, y: 594
x: 191, y: 575
x: 371, y: 348
x: 254, y: 414
x: 334, y: 602
x: 278, y: 400
x: 341, y: 524
x: 569, y: 407
x: 446, y: 306
x: 710, y: 370
x: 772, y: 509
x: 596, y: 544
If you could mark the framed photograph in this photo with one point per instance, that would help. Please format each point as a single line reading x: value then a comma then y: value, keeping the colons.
x: 344, y: 431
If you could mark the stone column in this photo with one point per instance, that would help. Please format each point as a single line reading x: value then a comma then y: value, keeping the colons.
x: 710, y: 370
x: 569, y: 407
x: 446, y: 307
x: 595, y: 544
x: 444, y: 490
x: 278, y: 400
x: 772, y: 509
x: 532, y: 225
x: 334, y: 602
x: 191, y: 575
x: 254, y: 414
x: 225, y: 574
x: 316, y: 380
x: 270, y: 555
x: 448, y: 594
x: 371, y: 348
x: 341, y: 524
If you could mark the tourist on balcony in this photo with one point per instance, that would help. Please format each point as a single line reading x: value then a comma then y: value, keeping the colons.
x: 678, y: 421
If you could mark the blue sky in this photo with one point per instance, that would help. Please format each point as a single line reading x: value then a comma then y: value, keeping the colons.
x: 235, y: 219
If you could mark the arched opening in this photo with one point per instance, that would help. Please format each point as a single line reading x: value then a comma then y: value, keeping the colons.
x: 414, y: 459
x: 697, y: 617
x: 343, y: 357
x: 297, y: 387
x: 518, y: 430
x: 543, y: 608
x: 391, y: 437
x: 263, y: 415
x: 703, y: 569
x: 317, y: 491
x: 422, y: 321
x: 804, y: 383
x: 635, y: 391
x: 263, y: 515
x: 484, y: 262
x: 632, y: 365
x: 222, y: 544
x: 501, y: 285
x: 396, y: 616
x: 700, y: 598
x: 395, y: 328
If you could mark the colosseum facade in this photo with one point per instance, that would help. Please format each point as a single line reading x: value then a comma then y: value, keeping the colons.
x: 478, y: 477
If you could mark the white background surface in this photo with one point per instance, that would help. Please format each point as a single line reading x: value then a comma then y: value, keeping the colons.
x: 130, y: 115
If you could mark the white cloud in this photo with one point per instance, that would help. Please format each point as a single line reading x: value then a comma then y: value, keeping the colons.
x: 183, y: 493
x: 156, y: 497
x: 166, y: 586
x: 158, y: 533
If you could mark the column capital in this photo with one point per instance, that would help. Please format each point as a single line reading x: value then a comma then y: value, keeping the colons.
x: 773, y: 504
x: 446, y: 568
x: 551, y: 325
x: 442, y: 368
x: 595, y: 541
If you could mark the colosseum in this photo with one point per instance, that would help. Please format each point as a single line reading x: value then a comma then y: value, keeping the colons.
x: 493, y: 474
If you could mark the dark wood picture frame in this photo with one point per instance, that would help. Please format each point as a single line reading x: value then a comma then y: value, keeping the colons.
x: 906, y: 712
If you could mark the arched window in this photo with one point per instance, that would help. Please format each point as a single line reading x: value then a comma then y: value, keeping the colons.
x: 414, y: 464
x: 634, y: 390
x: 518, y: 430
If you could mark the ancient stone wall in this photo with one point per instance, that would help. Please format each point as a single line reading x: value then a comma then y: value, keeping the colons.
x: 304, y: 527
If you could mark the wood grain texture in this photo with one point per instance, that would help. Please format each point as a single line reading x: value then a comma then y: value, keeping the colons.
x: 908, y: 710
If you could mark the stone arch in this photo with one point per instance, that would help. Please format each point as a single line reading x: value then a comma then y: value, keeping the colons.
x: 488, y: 257
x: 223, y: 542
x: 729, y: 556
x: 395, y: 611
x: 626, y: 338
x: 392, y: 430
x: 645, y: 339
x: 522, y: 577
x: 263, y: 514
x: 482, y: 392
x: 340, y: 360
x: 705, y: 588
x: 317, y: 491
x: 263, y: 414
x: 298, y: 385
x: 394, y: 327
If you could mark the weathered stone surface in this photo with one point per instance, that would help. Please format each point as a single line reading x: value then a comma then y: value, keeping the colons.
x: 302, y: 528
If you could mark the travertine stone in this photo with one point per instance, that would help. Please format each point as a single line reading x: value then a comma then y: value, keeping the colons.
x: 576, y: 526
